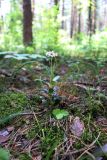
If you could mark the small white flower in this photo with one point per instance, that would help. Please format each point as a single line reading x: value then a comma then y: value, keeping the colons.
x: 51, y: 54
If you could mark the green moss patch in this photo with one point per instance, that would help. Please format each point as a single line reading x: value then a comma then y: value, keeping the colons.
x: 12, y: 103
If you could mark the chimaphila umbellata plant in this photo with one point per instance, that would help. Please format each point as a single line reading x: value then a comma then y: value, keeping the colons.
x: 54, y: 97
x: 51, y: 55
x: 52, y: 91
x: 49, y: 91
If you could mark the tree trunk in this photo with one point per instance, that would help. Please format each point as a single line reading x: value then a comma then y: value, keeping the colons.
x: 63, y: 9
x: 95, y: 17
x: 56, y: 2
x: 72, y: 19
x: 79, y: 23
x: 90, y: 18
x: 27, y: 22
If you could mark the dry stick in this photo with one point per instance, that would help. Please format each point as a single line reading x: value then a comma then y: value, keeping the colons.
x: 86, y: 151
x: 14, y: 115
x: 59, y: 146
x: 77, y: 151
x: 70, y: 154
x: 70, y: 145
x: 68, y: 148
x: 12, y: 139
x: 74, y: 152
x: 89, y: 146
x: 82, y: 149
x: 6, y: 120
x: 91, y: 155
x: 38, y: 124
x: 79, y: 140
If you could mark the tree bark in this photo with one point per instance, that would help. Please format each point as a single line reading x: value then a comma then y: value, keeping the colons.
x: 72, y: 19
x: 95, y: 17
x: 27, y: 22
x: 63, y: 9
x: 79, y: 23
x: 90, y: 18
x: 56, y: 2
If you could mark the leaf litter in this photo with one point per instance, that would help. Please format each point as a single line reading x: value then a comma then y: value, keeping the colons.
x: 73, y: 141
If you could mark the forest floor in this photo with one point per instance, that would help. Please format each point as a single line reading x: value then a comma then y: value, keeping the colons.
x: 28, y: 128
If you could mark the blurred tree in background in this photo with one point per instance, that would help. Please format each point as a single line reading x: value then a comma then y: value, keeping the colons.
x: 53, y: 25
x: 27, y: 22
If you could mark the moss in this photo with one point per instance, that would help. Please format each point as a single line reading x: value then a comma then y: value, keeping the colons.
x: 3, y: 84
x: 25, y: 156
x: 12, y: 103
x: 52, y: 137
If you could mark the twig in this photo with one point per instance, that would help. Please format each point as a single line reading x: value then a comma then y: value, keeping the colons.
x: 13, y: 116
x: 91, y: 155
x: 89, y: 146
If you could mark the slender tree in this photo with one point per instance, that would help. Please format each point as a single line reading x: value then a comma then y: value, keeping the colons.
x: 79, y: 18
x: 56, y: 2
x: 90, y: 18
x: 95, y: 16
x: 63, y: 10
x: 72, y: 18
x: 27, y: 22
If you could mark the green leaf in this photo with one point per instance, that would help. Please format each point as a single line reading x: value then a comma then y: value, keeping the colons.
x: 4, y: 154
x: 56, y: 78
x: 60, y: 113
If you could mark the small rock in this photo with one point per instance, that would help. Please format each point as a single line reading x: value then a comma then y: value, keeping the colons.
x: 3, y: 139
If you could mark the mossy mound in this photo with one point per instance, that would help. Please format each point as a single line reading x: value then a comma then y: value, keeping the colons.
x: 12, y: 103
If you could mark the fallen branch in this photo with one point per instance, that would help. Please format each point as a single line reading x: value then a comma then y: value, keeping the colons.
x: 86, y: 151
x: 6, y: 120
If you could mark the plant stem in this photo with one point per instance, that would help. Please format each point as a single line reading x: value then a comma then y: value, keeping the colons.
x: 52, y: 72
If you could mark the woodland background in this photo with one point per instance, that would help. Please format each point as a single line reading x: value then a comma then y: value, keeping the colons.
x: 53, y: 25
x: 53, y: 79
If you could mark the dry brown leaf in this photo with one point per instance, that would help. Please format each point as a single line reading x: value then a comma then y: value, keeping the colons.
x: 3, y: 139
x: 77, y: 127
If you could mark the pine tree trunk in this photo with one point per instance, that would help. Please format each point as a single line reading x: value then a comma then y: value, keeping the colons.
x: 72, y: 19
x: 63, y: 8
x: 79, y: 23
x: 95, y: 17
x: 27, y: 22
x: 90, y: 18
x: 56, y: 2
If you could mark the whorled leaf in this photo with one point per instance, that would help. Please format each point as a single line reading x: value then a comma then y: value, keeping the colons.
x: 60, y: 113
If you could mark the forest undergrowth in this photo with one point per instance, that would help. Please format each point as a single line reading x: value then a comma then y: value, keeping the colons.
x: 53, y: 109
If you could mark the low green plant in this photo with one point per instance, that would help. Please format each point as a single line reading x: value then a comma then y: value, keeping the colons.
x: 25, y: 156
x: 11, y: 35
x: 53, y: 136
x: 4, y: 154
x: 60, y: 113
x: 46, y: 30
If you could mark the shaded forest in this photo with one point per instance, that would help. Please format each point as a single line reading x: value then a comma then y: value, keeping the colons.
x: 53, y: 79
